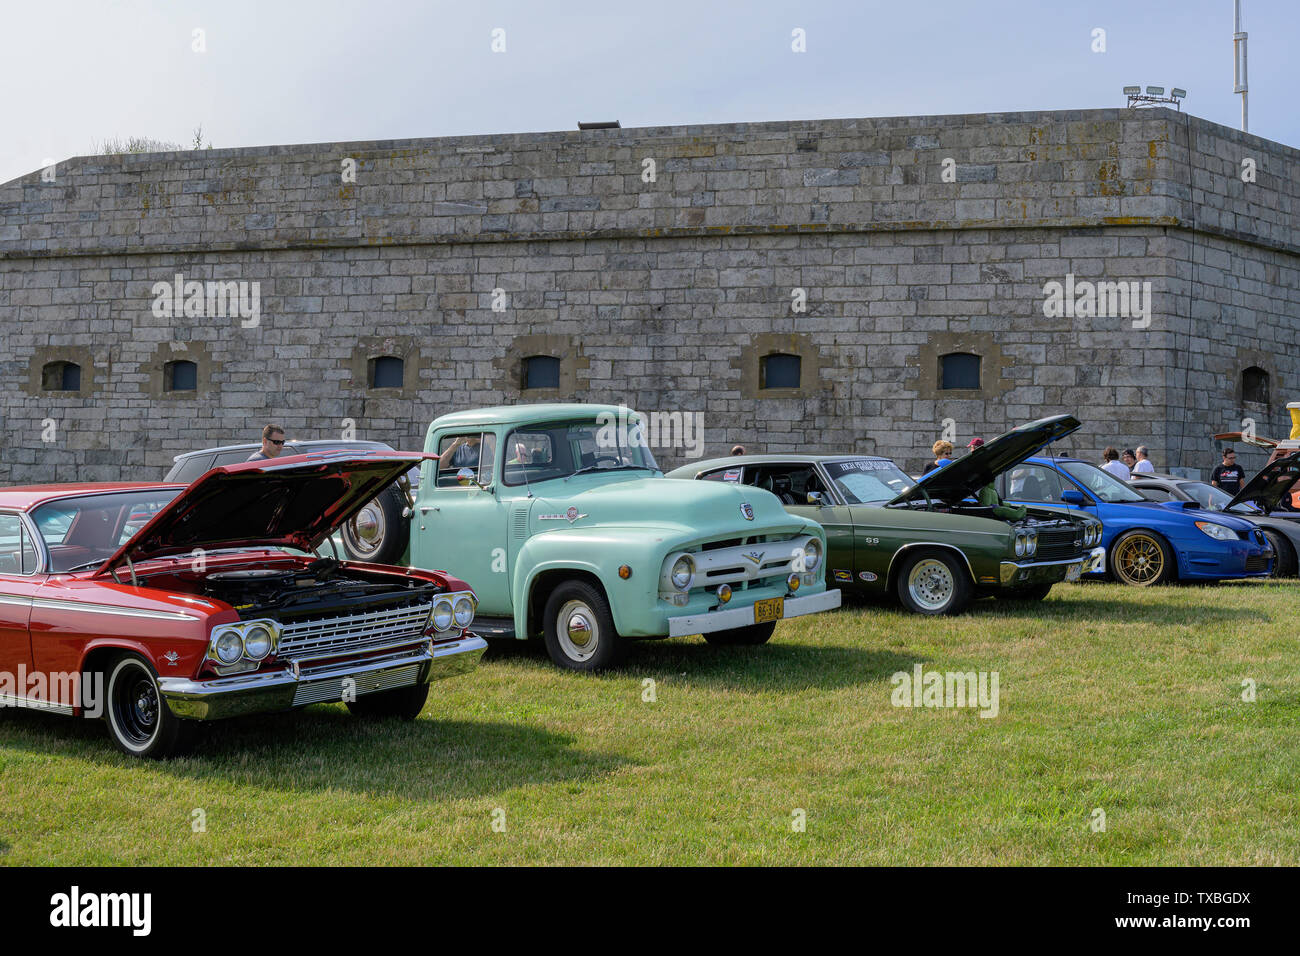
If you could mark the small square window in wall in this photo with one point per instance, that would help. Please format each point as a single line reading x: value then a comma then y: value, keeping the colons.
x: 181, y: 376
x: 959, y: 370
x: 779, y: 371
x: 1254, y: 385
x: 541, y: 371
x: 387, y: 371
x: 61, y: 377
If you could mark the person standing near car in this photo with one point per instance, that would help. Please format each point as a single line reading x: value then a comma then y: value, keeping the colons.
x: 272, y: 444
x: 942, y: 453
x: 1228, y: 475
x: 1143, y: 466
x: 1110, y: 462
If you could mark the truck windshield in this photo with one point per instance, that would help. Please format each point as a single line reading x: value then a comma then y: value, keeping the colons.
x: 560, y: 449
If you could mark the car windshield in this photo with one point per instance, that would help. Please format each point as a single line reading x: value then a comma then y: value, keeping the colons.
x: 1209, y: 497
x: 562, y: 449
x: 1101, y: 484
x: 866, y: 481
x: 87, y: 529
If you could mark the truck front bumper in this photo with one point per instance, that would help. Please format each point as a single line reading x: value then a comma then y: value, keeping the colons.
x: 731, y: 618
x: 282, y: 690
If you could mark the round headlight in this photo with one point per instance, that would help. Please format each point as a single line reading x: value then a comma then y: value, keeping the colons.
x: 683, y: 573
x: 463, y: 612
x: 442, y: 614
x: 724, y: 593
x: 1020, y: 545
x: 1031, y: 542
x: 257, y: 642
x: 812, y: 554
x: 229, y: 646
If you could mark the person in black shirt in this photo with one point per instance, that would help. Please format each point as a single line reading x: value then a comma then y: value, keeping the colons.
x: 1229, y: 475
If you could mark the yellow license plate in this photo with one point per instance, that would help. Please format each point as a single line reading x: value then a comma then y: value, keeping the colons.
x: 773, y: 609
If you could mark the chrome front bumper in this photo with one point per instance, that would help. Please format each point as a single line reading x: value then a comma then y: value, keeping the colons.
x: 1012, y: 573
x: 281, y: 690
x: 731, y: 618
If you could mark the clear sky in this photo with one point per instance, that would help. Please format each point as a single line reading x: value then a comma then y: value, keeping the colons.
x: 305, y: 71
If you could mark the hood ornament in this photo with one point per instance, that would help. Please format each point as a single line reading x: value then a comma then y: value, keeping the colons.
x: 747, y: 511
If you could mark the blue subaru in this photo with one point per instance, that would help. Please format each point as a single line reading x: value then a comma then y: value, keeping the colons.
x: 1147, y: 542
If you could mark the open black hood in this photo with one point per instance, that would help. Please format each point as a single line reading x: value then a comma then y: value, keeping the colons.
x: 966, y: 475
x: 1272, y: 483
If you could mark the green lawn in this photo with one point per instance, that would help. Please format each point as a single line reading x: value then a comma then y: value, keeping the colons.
x: 1114, y: 699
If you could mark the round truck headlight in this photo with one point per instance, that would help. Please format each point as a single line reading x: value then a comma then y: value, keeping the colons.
x: 257, y: 642
x: 442, y: 615
x: 724, y: 593
x: 229, y: 646
x: 812, y: 554
x: 463, y: 611
x: 683, y: 573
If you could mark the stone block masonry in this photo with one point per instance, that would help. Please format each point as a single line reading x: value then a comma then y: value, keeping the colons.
x: 660, y: 267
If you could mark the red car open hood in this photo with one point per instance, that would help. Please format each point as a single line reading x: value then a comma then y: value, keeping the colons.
x: 295, y: 501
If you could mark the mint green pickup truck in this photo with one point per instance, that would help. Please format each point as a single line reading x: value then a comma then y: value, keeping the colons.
x: 565, y: 527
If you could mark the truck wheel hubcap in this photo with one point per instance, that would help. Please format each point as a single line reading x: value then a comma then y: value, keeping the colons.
x: 930, y: 584
x: 579, y: 634
x: 366, y: 530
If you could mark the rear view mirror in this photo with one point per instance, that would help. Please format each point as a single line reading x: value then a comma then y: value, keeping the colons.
x: 1072, y: 497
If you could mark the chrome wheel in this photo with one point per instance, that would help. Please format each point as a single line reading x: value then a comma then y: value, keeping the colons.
x: 365, y: 532
x: 931, y: 584
x: 1139, y: 560
x: 578, y: 631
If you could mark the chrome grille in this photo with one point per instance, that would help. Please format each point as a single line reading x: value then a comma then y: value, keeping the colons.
x: 351, y: 633
x: 1058, y: 545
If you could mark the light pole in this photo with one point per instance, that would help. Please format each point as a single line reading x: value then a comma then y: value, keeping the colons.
x: 1239, y: 64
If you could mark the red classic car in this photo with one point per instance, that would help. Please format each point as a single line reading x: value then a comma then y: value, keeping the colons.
x: 156, y: 606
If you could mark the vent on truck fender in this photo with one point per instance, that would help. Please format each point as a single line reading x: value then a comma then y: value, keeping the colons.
x: 519, y: 521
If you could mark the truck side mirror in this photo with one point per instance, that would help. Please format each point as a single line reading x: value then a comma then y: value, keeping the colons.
x: 816, y: 498
x: 465, y: 476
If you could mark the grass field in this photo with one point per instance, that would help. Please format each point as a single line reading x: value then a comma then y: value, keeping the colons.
x: 1110, y: 699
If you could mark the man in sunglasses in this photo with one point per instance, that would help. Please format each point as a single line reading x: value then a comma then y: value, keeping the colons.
x: 272, y: 444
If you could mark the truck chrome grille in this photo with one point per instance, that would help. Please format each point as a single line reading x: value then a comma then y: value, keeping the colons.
x: 352, y: 633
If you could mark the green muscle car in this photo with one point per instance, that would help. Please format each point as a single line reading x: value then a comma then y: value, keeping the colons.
x: 936, y: 542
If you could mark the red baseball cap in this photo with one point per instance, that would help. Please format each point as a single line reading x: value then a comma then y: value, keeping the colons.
x: 975, y: 443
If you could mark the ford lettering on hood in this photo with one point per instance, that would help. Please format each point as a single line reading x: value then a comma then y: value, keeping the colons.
x: 288, y: 502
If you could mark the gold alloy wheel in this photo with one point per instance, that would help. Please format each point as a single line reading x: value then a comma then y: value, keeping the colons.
x: 1139, y: 560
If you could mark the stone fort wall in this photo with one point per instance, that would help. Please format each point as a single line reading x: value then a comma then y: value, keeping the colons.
x: 660, y: 266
